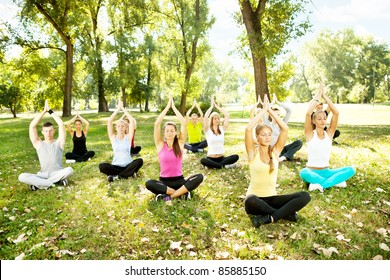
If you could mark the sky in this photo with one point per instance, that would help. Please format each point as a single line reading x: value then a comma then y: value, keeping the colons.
x: 364, y: 17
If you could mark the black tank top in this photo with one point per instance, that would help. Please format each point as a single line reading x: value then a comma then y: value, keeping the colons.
x: 79, y: 144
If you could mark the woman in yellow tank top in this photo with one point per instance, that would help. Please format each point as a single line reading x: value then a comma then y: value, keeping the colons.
x: 262, y: 203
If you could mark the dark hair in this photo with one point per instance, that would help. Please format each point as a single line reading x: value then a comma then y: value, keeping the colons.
x: 259, y: 128
x: 47, y: 124
x: 77, y: 120
x: 211, y: 122
x: 176, y: 147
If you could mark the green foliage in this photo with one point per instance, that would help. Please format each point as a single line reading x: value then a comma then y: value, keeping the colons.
x: 92, y: 219
x: 354, y: 68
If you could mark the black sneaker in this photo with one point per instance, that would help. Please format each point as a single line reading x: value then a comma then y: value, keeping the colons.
x: 260, y: 220
x: 292, y: 217
x: 33, y: 188
x: 65, y: 182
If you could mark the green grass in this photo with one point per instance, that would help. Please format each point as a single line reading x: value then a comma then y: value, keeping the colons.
x: 94, y: 220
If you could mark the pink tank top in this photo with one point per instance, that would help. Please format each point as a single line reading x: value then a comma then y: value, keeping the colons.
x: 170, y: 165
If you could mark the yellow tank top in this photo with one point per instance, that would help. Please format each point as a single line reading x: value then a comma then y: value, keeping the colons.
x: 262, y: 183
x: 194, y: 132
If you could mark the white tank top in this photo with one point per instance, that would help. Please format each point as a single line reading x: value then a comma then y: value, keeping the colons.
x: 318, y: 151
x: 215, y: 142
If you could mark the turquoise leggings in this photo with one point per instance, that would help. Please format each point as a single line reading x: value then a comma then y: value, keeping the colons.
x: 327, y: 177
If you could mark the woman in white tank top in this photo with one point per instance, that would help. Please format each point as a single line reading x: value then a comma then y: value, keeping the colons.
x: 317, y: 173
x: 215, y: 135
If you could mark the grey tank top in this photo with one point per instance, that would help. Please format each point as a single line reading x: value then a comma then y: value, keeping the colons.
x: 50, y: 156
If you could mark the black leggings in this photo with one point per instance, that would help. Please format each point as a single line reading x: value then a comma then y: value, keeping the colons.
x: 219, y: 162
x: 195, y: 146
x: 278, y: 206
x: 160, y: 187
x: 80, y: 158
x: 122, y: 172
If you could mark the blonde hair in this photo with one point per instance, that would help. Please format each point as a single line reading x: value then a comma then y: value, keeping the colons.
x: 314, y: 115
x: 212, y: 115
x: 258, y: 129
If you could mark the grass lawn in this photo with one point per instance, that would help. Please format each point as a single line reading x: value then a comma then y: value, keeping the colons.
x: 94, y: 220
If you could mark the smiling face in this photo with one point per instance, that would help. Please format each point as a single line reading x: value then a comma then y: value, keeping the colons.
x: 264, y: 135
x: 170, y: 130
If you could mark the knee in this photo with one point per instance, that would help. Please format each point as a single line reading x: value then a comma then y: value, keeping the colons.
x: 149, y: 184
x: 303, y: 172
x: 22, y: 177
x: 299, y: 144
x: 69, y: 170
x: 203, y: 161
x: 352, y: 170
x: 305, y: 197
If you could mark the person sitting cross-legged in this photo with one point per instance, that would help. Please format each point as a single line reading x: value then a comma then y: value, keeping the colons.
x: 49, y: 152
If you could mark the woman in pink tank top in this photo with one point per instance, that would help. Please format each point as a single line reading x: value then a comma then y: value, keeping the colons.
x: 172, y: 183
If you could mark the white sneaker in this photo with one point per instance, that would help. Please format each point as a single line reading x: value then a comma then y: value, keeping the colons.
x: 343, y: 184
x: 227, y: 166
x: 70, y: 161
x: 313, y: 187
x: 282, y: 158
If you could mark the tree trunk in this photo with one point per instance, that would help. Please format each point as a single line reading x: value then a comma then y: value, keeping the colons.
x: 252, y: 21
x: 67, y: 105
x: 103, y: 107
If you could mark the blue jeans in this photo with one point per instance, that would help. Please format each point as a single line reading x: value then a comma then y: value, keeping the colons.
x: 327, y: 177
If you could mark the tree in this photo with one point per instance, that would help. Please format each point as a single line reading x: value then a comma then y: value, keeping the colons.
x: 92, y: 45
x: 269, y: 24
x: 188, y: 22
x: 63, y: 19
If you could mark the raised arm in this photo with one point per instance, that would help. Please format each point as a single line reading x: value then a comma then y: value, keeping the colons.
x: 308, y: 129
x: 279, y: 145
x: 61, y: 130
x: 86, y: 127
x: 68, y: 125
x: 130, y: 133
x: 252, y: 112
x: 287, y: 109
x: 249, y: 141
x: 335, y: 116
x: 110, y: 121
x: 206, y: 122
x: 33, y: 132
x: 158, y: 141
x: 183, y: 124
x: 188, y: 115
x: 225, y: 116
x: 199, y: 111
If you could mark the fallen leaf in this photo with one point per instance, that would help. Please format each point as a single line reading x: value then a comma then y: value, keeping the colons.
x: 359, y: 224
x: 175, y: 246
x: 190, y: 247
x: 377, y: 258
x: 82, y: 251
x: 20, y: 257
x: 380, y: 190
x: 145, y: 240
x: 193, y: 254
x: 20, y: 238
x: 383, y: 246
x: 328, y: 252
x: 382, y: 231
x: 222, y: 255
x: 294, y: 236
x: 37, y: 246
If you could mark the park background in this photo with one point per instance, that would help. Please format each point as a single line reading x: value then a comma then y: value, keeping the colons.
x: 91, y: 219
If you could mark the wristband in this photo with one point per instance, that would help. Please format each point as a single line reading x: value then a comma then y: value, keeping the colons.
x: 51, y: 111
